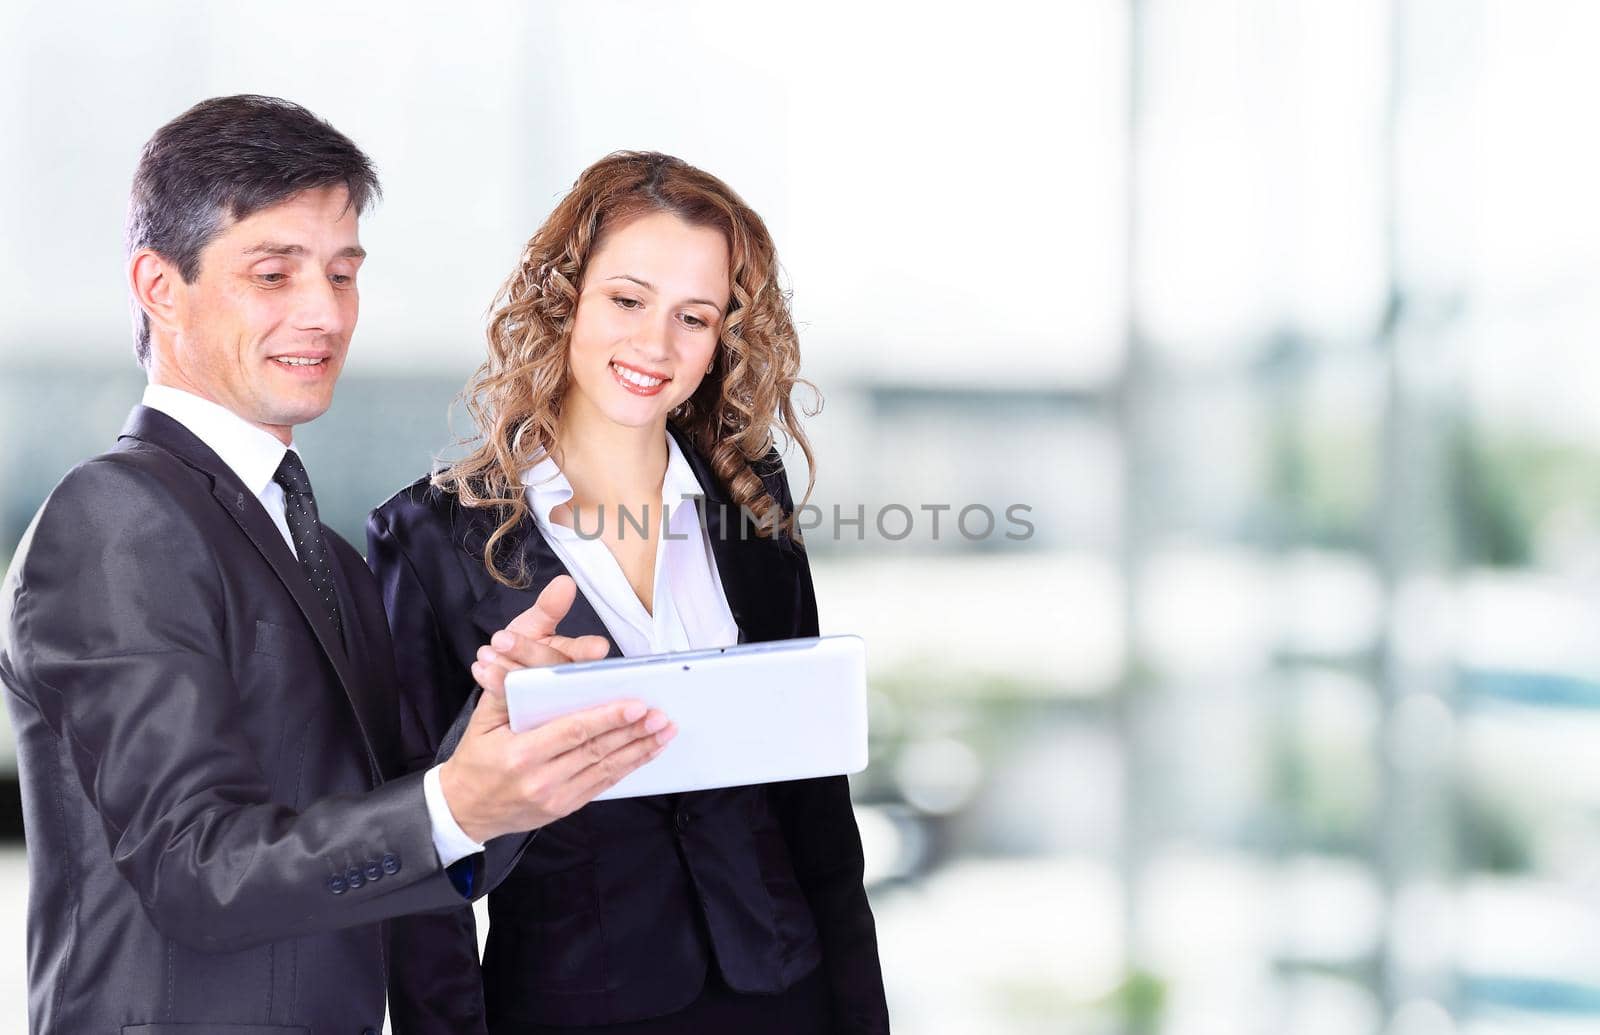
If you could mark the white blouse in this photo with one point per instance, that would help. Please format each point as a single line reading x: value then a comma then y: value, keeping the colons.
x: 690, y: 609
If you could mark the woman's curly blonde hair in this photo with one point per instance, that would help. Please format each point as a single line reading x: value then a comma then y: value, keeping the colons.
x: 514, y: 398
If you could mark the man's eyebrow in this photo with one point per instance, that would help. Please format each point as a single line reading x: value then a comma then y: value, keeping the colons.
x: 272, y: 248
x: 651, y: 287
x: 355, y: 251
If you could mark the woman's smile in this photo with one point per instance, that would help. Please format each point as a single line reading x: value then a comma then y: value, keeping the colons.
x: 638, y: 381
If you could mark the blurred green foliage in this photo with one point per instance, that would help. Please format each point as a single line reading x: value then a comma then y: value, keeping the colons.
x: 1321, y: 483
x: 1143, y: 1001
x: 1506, y: 486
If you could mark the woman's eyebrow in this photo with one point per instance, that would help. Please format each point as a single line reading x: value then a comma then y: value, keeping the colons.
x: 651, y: 287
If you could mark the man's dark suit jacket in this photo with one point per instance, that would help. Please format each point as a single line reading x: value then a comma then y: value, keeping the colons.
x: 617, y: 912
x: 211, y: 843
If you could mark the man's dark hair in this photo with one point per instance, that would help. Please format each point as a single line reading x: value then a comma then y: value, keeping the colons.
x: 231, y: 157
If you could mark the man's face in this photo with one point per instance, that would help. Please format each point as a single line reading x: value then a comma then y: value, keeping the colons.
x: 264, y: 327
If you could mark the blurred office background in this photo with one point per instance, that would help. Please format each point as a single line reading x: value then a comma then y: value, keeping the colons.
x: 1277, y: 314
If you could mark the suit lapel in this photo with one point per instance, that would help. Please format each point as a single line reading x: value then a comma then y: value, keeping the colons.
x: 756, y: 576
x: 241, y: 505
x: 500, y: 603
x: 376, y: 714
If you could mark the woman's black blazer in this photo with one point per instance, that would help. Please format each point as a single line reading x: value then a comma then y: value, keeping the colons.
x: 616, y: 913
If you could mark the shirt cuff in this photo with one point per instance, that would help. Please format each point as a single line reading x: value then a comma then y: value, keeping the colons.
x: 449, y: 840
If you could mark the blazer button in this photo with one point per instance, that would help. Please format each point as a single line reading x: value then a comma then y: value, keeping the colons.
x: 353, y: 878
x: 369, y: 1031
x: 682, y: 821
x: 373, y: 870
x: 336, y: 884
x: 391, y: 863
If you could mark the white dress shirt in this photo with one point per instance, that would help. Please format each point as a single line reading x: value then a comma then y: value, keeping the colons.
x: 689, y: 610
x: 254, y: 455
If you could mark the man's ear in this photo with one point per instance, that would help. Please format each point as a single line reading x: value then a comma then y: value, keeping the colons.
x: 157, y: 286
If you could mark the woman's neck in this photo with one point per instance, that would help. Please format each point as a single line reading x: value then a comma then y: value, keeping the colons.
x: 610, y: 463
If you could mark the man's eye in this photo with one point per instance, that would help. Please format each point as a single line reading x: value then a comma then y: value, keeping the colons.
x: 273, y: 278
x: 625, y: 302
x: 342, y: 279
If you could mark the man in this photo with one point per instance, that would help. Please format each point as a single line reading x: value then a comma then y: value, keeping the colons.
x: 200, y: 673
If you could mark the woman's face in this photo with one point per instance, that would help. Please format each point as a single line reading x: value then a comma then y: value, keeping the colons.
x: 649, y: 312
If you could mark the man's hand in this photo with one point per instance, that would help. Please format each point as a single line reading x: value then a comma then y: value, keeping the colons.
x: 498, y: 781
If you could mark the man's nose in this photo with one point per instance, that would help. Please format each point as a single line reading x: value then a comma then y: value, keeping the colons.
x: 319, y: 308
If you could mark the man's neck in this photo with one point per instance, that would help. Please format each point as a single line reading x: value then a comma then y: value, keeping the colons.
x: 168, y: 377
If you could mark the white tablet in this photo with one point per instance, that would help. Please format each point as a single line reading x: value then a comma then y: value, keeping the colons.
x: 754, y: 713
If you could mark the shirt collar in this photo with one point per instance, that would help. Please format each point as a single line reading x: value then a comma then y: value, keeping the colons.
x: 249, y: 451
x: 548, y: 488
x: 680, y: 480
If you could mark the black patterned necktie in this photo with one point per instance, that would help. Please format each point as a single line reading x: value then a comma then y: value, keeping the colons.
x: 300, y: 507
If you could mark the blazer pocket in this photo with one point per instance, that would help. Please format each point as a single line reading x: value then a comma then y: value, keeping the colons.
x: 567, y: 893
x: 214, y: 1029
x: 280, y: 641
x: 792, y: 918
x: 777, y: 867
x: 547, y: 939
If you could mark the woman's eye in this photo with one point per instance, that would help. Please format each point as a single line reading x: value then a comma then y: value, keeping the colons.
x: 625, y: 302
x: 694, y: 321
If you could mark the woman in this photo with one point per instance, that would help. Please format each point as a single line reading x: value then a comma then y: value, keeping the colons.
x: 642, y: 351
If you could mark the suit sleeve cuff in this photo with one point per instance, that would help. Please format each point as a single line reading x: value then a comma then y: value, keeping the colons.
x: 449, y: 840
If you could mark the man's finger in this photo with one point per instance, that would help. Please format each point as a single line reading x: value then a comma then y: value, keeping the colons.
x: 489, y: 656
x: 492, y: 711
x: 609, y: 771
x: 554, y: 601
x: 559, y: 736
x: 568, y: 764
